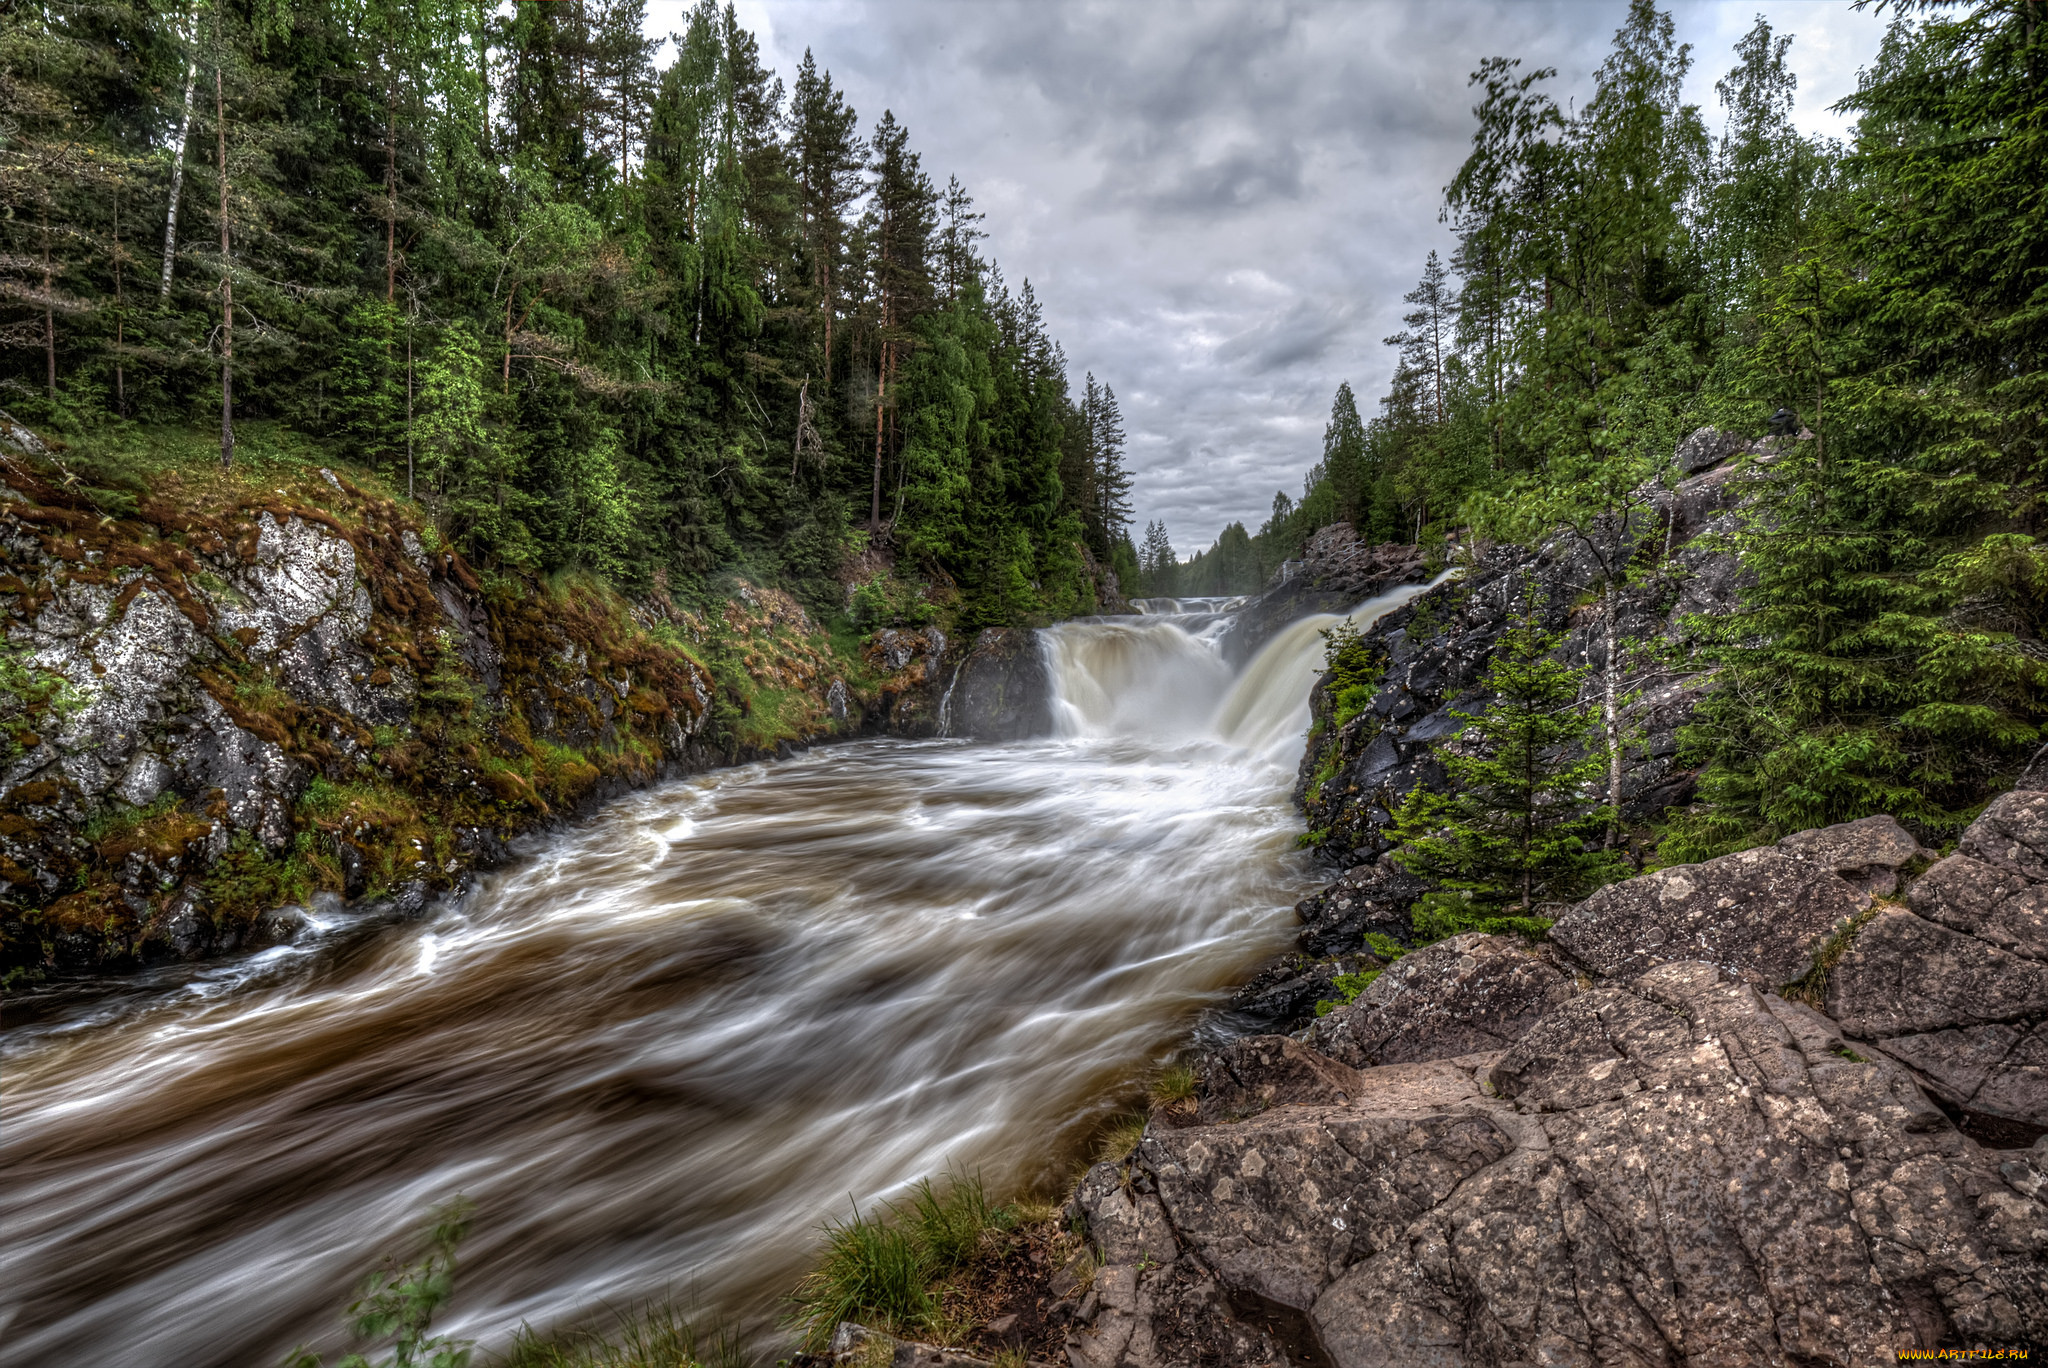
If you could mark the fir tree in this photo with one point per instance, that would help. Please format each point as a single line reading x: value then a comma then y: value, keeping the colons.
x: 1519, y: 823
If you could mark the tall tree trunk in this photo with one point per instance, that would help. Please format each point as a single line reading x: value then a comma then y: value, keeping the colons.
x: 120, y: 315
x: 508, y: 342
x: 408, y: 398
x: 390, y: 195
x: 49, y: 309
x: 227, y: 283
x: 881, y: 390
x: 177, y: 181
x: 1610, y: 716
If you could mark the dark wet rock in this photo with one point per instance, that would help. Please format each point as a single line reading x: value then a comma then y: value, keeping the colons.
x: 1003, y: 691
x: 1367, y: 899
x: 1434, y: 653
x: 1257, y: 1073
x: 1761, y: 914
x: 1461, y: 996
x: 1283, y: 996
x: 1335, y: 573
x: 1869, y: 853
x: 1677, y: 1168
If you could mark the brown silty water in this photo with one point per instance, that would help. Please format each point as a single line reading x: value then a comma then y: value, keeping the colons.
x: 659, y: 1052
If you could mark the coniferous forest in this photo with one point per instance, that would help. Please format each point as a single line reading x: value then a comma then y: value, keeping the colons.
x: 657, y: 323
x: 1622, y: 278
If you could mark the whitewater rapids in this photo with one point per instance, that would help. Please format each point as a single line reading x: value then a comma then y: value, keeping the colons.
x: 660, y: 1050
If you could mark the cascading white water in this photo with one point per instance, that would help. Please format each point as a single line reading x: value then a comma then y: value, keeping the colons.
x: 1266, y: 710
x: 659, y: 1051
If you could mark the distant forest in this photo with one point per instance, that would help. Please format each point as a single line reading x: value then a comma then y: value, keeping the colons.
x: 660, y: 324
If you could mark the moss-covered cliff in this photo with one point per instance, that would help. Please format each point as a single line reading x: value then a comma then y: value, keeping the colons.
x: 225, y: 692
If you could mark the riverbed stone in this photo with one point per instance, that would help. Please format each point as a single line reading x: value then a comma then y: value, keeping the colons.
x: 1760, y: 914
x: 1680, y: 1168
x: 1469, y: 994
x: 1256, y: 1073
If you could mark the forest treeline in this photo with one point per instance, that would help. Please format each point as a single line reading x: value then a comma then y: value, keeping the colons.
x: 661, y: 322
x: 1621, y: 277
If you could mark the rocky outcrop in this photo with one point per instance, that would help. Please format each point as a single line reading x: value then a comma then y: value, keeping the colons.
x: 1955, y: 983
x: 1002, y: 691
x: 1460, y: 996
x: 1433, y: 653
x: 1636, y: 1151
x: 219, y: 700
x: 1336, y: 572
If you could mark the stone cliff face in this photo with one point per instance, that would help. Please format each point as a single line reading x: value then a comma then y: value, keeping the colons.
x: 224, y: 696
x: 1434, y: 652
x: 1754, y: 1111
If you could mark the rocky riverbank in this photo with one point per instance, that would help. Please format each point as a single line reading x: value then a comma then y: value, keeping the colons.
x: 226, y: 695
x: 1433, y: 652
x: 1783, y: 1107
x: 1786, y: 1106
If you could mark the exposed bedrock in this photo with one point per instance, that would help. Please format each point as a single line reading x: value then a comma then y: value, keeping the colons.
x: 1434, y: 653
x: 1776, y: 1108
x: 1003, y: 691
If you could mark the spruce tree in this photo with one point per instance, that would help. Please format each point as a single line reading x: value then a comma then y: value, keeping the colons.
x: 1519, y: 821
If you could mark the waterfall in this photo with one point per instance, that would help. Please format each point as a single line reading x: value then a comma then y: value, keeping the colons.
x: 1161, y: 676
x: 666, y: 1044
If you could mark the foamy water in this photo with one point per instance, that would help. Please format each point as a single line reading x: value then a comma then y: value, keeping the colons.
x: 659, y: 1052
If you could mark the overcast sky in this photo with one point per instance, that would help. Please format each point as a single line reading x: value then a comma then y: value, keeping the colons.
x: 1220, y: 205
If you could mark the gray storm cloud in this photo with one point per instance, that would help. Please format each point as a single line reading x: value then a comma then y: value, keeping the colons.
x: 1220, y: 205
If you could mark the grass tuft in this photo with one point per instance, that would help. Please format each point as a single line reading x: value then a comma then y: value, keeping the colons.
x: 1177, y: 1084
x: 1120, y: 1138
x: 656, y: 1338
x: 879, y: 1269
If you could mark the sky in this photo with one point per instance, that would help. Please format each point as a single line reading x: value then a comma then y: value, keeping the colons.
x: 1220, y: 205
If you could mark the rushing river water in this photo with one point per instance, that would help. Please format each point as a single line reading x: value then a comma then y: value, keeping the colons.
x: 658, y: 1052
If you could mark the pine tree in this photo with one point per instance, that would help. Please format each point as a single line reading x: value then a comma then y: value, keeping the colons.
x: 1106, y: 446
x: 1156, y: 561
x: 1518, y: 823
x: 828, y: 154
x: 1345, y: 455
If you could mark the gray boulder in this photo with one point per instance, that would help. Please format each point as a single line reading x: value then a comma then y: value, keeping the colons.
x: 1675, y: 1169
x: 1869, y: 853
x: 1461, y: 996
x: 1706, y: 448
x: 1257, y: 1073
x: 1955, y: 984
x: 1760, y: 914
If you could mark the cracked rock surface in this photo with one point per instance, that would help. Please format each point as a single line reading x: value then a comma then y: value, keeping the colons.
x: 1606, y: 1152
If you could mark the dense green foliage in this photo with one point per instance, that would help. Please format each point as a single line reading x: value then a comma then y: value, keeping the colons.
x: 657, y: 323
x: 1621, y: 278
x: 1520, y: 821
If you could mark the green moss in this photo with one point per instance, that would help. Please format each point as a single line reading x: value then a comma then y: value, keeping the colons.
x: 1446, y: 913
x: 1348, y: 987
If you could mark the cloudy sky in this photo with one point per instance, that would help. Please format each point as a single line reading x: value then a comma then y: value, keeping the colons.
x: 1220, y: 204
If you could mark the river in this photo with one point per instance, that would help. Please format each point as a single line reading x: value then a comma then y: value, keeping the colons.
x: 659, y: 1050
